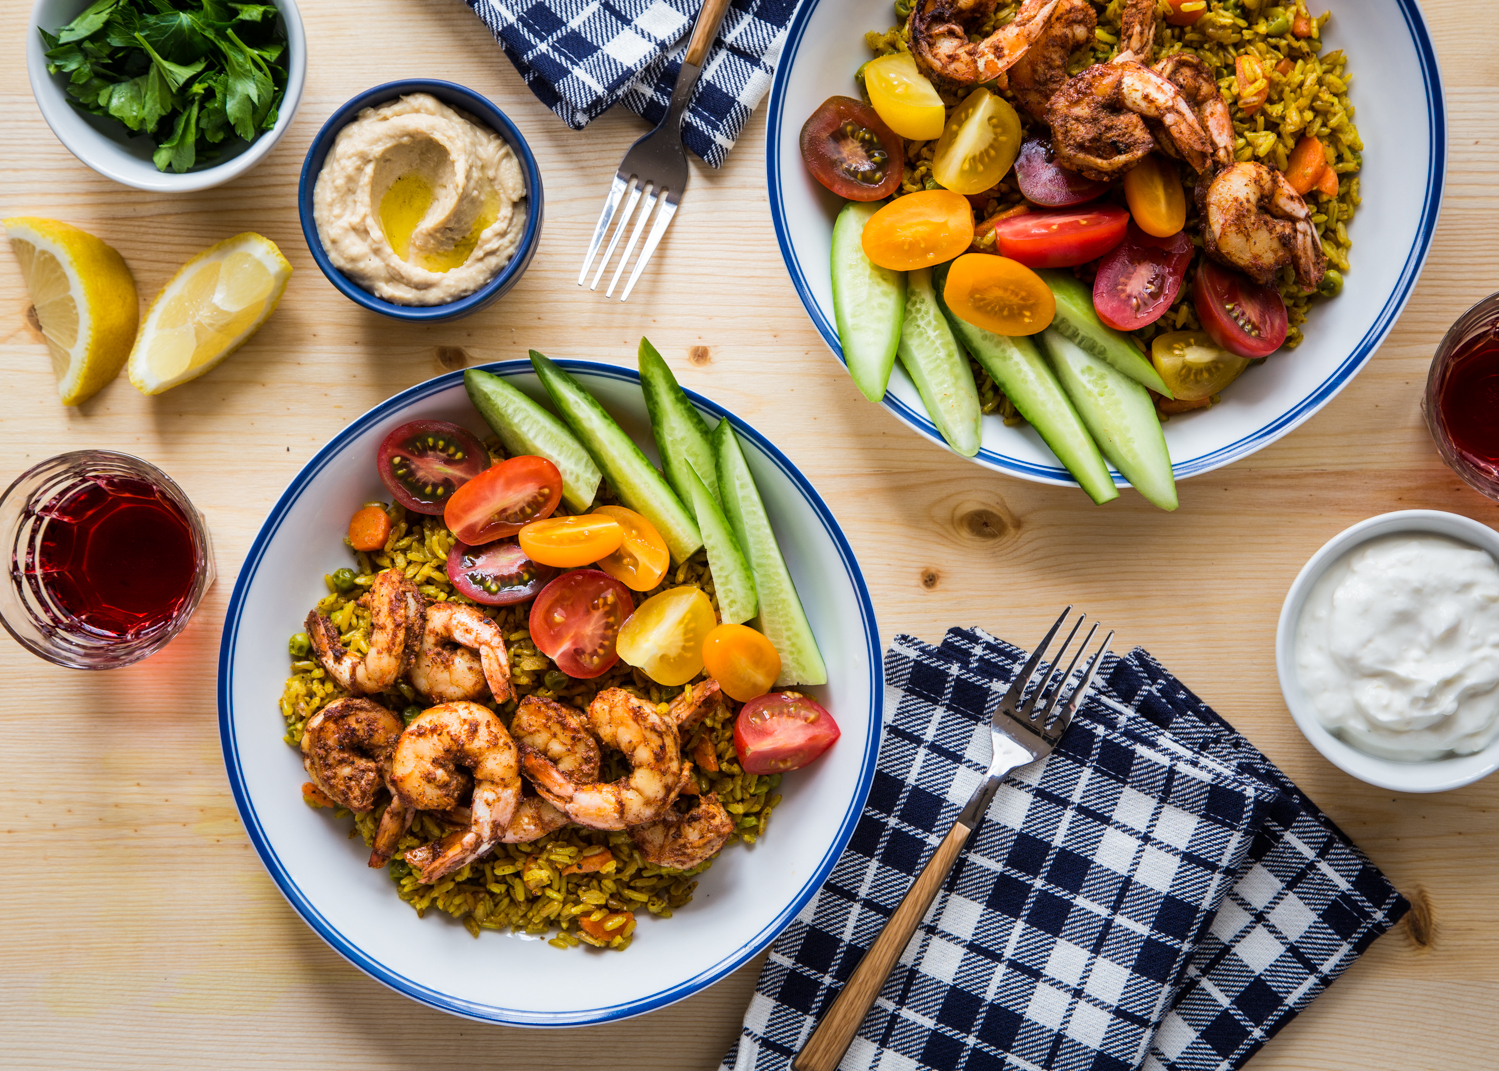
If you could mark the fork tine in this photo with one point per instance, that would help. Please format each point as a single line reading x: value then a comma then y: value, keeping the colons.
x: 663, y: 220
x: 1056, y: 696
x: 646, y: 209
x: 1028, y: 710
x: 636, y: 185
x: 611, y: 202
x: 1080, y: 693
x: 1017, y: 686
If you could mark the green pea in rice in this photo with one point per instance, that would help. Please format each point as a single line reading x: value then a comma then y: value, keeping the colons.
x: 522, y: 887
x: 1307, y: 97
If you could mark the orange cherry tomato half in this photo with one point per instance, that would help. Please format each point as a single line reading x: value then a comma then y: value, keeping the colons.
x: 568, y: 542
x: 782, y: 731
x: 642, y: 559
x: 1156, y: 199
x: 744, y: 663
x: 999, y: 295
x: 919, y: 230
x: 503, y: 498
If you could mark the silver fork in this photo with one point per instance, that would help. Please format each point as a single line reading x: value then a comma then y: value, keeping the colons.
x: 654, y: 169
x: 1021, y: 734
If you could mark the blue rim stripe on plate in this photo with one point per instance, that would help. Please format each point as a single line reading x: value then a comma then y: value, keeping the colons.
x: 1436, y: 173
x: 424, y: 994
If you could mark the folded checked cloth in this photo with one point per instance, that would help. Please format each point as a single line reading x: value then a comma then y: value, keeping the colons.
x: 1154, y: 894
x: 581, y: 56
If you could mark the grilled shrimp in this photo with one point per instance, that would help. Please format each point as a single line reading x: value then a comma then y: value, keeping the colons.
x: 1136, y: 31
x: 1257, y: 223
x: 939, y: 39
x: 558, y: 732
x: 694, y: 704
x: 346, y: 749
x: 1098, y: 120
x: 1037, y: 75
x: 682, y: 841
x: 444, y: 752
x: 648, y: 740
x: 396, y: 614
x: 1191, y: 75
x: 462, y: 656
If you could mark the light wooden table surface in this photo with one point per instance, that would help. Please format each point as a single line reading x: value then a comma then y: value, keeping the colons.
x: 140, y: 929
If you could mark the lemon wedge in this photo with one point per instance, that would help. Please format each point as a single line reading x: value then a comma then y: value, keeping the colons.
x: 83, y: 299
x: 209, y: 309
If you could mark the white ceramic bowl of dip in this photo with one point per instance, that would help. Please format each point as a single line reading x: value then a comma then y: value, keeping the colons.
x: 1428, y: 775
x: 105, y: 144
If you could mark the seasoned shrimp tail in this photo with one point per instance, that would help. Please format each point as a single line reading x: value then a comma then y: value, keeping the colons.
x: 393, y: 825
x: 397, y: 612
x: 461, y: 656
x: 939, y: 38
x: 1256, y: 222
x: 1037, y: 75
x: 695, y: 703
x: 445, y: 752
x: 650, y: 743
x: 683, y: 841
x: 347, y: 748
x: 1192, y: 75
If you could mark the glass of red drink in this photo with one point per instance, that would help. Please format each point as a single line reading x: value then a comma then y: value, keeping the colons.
x: 107, y: 559
x: 1462, y: 397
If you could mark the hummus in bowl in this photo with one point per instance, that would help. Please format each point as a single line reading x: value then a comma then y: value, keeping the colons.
x: 419, y: 203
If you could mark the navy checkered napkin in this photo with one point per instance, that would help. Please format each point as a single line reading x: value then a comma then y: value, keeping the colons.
x: 1153, y: 894
x: 581, y: 56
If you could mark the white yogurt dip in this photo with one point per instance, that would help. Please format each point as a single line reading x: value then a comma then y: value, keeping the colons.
x: 1397, y: 647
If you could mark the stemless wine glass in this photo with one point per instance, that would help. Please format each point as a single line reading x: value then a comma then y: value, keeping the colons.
x: 107, y: 559
x: 1475, y: 336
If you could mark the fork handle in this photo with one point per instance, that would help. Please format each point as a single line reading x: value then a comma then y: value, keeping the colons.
x: 825, y: 1048
x: 704, y: 30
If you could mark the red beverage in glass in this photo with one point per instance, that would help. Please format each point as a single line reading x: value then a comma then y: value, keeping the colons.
x: 118, y: 557
x: 107, y: 559
x: 1469, y: 398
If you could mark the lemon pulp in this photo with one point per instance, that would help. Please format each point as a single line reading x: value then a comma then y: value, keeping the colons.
x: 405, y: 205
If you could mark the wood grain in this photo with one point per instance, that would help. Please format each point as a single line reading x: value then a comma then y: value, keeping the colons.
x: 141, y: 930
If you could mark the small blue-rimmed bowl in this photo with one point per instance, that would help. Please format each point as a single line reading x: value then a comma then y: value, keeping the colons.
x: 480, y: 108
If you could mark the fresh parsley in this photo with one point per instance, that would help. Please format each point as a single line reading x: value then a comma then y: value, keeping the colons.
x: 186, y: 73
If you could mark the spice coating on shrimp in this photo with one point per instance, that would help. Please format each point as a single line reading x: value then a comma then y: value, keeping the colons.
x: 397, y: 612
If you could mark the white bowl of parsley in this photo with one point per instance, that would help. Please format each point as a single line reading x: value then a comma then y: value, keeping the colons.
x: 167, y: 95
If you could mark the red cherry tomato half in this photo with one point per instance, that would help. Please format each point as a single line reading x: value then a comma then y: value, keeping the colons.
x: 849, y: 149
x: 1139, y: 279
x: 496, y: 574
x: 782, y: 731
x: 504, y: 499
x: 1239, y: 314
x: 422, y: 463
x: 1042, y: 182
x: 1061, y: 238
x: 576, y: 619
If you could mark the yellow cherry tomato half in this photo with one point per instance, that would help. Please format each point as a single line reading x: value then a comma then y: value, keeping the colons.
x: 568, y: 542
x: 919, y: 230
x: 904, y: 97
x: 664, y: 636
x: 999, y: 295
x: 1193, y: 365
x: 744, y: 663
x: 641, y: 560
x: 1155, y: 196
x: 979, y: 145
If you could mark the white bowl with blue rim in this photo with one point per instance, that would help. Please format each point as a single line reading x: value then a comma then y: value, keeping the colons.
x: 743, y: 901
x: 482, y: 109
x: 1401, y: 116
x: 105, y: 145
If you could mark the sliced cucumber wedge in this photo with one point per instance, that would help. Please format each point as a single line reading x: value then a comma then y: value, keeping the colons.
x: 526, y: 428
x: 782, y: 619
x: 636, y: 481
x: 733, y: 582
x: 681, y: 433
x: 868, y: 302
x: 1016, y: 365
x: 1077, y: 320
x: 939, y: 367
x: 1119, y: 413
